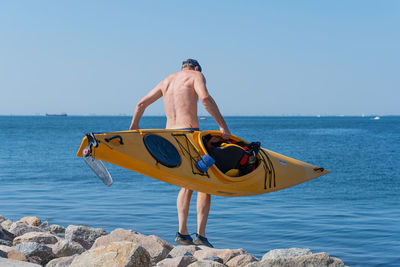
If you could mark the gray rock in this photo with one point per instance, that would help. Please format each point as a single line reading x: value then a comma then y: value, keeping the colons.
x: 181, y: 261
x: 35, y: 252
x: 37, y: 237
x: 6, y: 224
x: 14, y: 263
x: 5, y: 242
x: 241, y: 260
x: 310, y: 260
x: 121, y: 254
x: 157, y: 247
x: 205, y: 263
x: 20, y: 228
x: 45, y: 226
x: 2, y: 219
x: 224, y: 254
x: 61, y: 262
x: 84, y: 235
x: 12, y: 253
x: 180, y: 251
x: 57, y: 230
x: 286, y: 253
x: 3, y: 254
x: 6, y: 235
x: 214, y: 258
x: 64, y: 248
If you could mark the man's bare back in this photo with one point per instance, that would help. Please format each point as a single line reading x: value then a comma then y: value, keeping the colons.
x: 180, y: 99
x: 180, y: 92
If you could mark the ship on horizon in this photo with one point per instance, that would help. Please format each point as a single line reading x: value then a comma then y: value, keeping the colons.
x: 56, y: 114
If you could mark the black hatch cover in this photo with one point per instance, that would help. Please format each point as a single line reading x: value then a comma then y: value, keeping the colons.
x: 162, y: 150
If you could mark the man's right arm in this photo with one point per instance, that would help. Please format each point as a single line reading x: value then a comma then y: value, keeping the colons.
x: 152, y: 96
x: 210, y: 105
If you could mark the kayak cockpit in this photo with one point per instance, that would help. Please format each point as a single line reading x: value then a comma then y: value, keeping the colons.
x: 233, y: 157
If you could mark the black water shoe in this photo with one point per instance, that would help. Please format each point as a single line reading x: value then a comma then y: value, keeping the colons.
x: 184, y: 240
x: 202, y: 241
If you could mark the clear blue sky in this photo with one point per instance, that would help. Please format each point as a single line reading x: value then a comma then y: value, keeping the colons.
x: 259, y: 57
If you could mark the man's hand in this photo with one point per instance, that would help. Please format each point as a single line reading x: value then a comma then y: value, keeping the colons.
x: 225, y: 133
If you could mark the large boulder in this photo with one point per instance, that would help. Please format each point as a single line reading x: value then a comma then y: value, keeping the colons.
x: 61, y: 262
x: 157, y: 247
x: 64, y: 248
x: 20, y: 228
x: 35, y: 252
x: 180, y: 251
x: 224, y: 254
x: 33, y: 221
x: 181, y: 261
x: 286, y: 253
x: 84, y: 235
x: 117, y: 254
x: 241, y: 260
x: 6, y: 235
x: 309, y: 260
x: 37, y: 237
x: 15, y: 263
x: 118, y: 234
x: 12, y: 253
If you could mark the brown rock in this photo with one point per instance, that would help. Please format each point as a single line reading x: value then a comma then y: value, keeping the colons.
x: 118, y: 234
x: 241, y: 260
x: 33, y: 221
x: 157, y: 247
x: 183, y: 251
x: 224, y: 254
x: 16, y: 263
x: 181, y: 261
x: 12, y: 253
x: 206, y: 263
x: 61, y: 262
x: 65, y: 248
x: 117, y: 254
x: 38, y: 237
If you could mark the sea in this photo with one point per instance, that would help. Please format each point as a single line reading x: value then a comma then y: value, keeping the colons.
x: 353, y: 213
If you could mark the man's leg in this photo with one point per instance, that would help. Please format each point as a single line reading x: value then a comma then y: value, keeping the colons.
x: 182, y: 204
x: 203, y: 208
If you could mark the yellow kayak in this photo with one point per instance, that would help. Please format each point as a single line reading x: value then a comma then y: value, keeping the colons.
x: 178, y: 157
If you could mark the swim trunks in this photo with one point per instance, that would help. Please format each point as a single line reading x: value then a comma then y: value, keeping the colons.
x: 189, y: 129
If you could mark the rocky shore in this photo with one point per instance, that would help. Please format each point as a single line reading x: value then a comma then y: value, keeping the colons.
x: 29, y: 242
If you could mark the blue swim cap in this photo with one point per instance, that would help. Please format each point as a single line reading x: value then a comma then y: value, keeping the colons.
x: 193, y: 62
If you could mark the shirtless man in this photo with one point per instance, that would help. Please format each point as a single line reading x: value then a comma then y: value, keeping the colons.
x: 180, y: 92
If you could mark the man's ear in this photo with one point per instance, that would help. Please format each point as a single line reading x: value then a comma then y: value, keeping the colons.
x: 196, y: 68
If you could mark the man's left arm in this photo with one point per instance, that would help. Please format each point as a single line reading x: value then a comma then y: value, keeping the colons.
x: 141, y: 106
